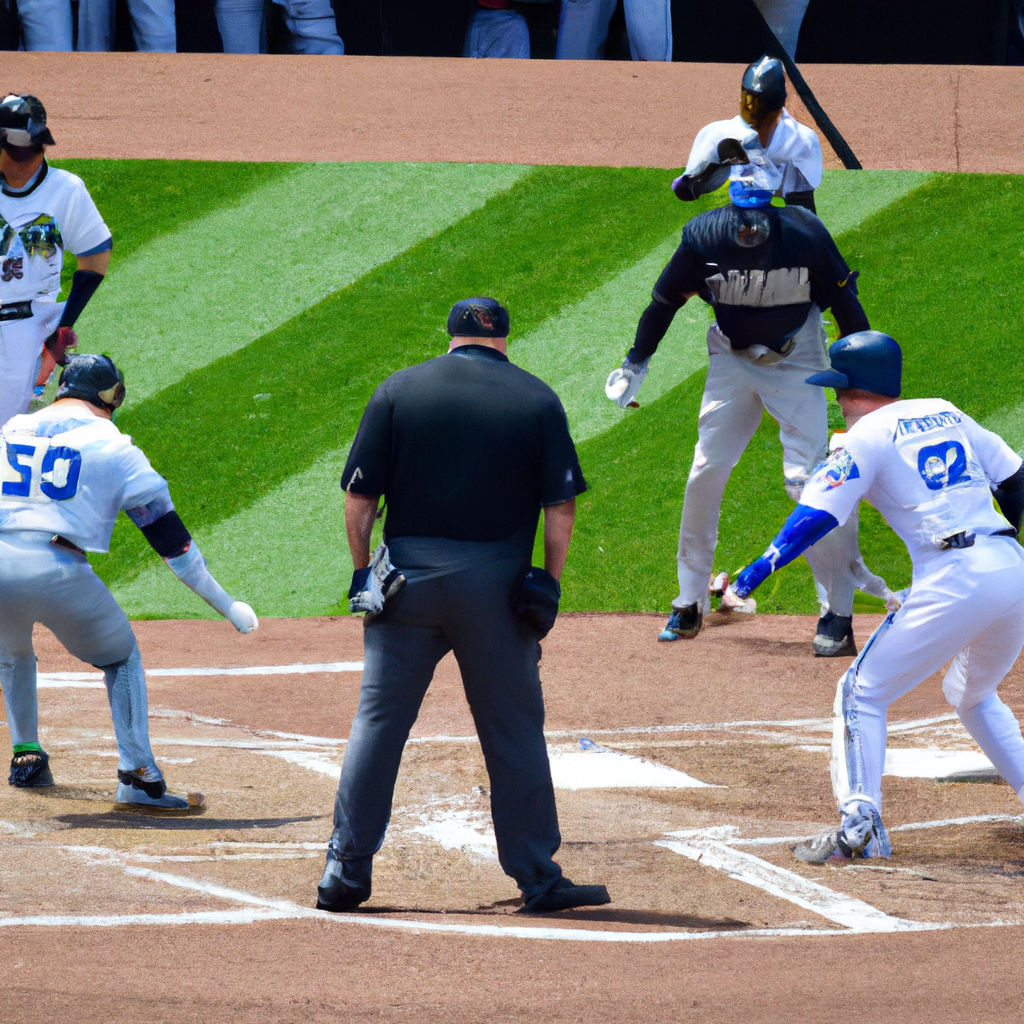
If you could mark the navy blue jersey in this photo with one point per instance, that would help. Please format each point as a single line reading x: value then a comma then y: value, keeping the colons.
x: 761, y: 270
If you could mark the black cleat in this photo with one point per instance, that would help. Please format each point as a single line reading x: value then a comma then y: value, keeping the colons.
x: 834, y: 638
x: 30, y: 770
x: 337, y: 895
x: 563, y: 895
x: 683, y: 623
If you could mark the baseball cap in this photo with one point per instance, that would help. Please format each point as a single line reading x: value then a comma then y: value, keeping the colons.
x: 478, y: 318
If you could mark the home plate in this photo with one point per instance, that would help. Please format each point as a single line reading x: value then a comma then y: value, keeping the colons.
x: 946, y: 765
x: 597, y: 767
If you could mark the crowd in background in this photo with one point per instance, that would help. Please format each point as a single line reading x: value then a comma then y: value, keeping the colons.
x: 917, y: 31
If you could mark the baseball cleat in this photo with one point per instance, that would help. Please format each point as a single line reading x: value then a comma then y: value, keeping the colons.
x: 683, y: 623
x: 135, y: 788
x: 30, y: 770
x: 338, y: 895
x: 732, y: 602
x: 834, y: 638
x: 564, y: 895
x: 828, y: 848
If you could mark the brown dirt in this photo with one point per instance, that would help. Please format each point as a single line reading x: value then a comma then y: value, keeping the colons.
x: 66, y: 851
x: 224, y: 107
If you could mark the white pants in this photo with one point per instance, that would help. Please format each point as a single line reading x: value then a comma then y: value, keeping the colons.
x: 737, y: 390
x: 583, y: 29
x: 970, y: 609
x: 784, y: 17
x: 21, y: 354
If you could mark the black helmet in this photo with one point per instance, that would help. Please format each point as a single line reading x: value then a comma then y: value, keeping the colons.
x: 94, y: 379
x: 23, y: 121
x: 763, y: 89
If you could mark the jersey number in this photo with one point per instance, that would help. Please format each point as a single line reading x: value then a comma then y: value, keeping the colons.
x: 38, y: 471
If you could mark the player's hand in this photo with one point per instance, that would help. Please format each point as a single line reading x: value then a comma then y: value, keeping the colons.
x: 242, y: 617
x: 624, y: 383
x: 58, y: 343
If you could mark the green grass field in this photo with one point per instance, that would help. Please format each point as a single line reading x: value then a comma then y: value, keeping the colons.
x: 254, y: 307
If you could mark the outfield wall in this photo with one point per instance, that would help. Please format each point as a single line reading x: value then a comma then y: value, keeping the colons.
x: 226, y: 107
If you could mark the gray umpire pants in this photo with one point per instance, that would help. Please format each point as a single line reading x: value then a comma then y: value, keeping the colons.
x: 458, y: 597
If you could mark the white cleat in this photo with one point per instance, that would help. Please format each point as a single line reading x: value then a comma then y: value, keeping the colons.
x: 135, y: 788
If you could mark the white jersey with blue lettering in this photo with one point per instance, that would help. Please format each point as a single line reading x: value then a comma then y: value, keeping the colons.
x: 793, y: 148
x: 64, y: 471
x: 926, y: 466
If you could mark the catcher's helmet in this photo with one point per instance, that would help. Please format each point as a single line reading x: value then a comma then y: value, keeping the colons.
x: 23, y: 121
x: 763, y: 89
x: 478, y: 318
x: 865, y: 360
x: 94, y: 379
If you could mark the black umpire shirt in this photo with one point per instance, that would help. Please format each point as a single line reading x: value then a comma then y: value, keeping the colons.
x: 466, y: 446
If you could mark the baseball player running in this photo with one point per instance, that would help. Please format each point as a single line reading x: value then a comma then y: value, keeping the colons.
x: 931, y: 471
x: 42, y: 211
x: 768, y: 273
x: 763, y: 128
x: 65, y: 473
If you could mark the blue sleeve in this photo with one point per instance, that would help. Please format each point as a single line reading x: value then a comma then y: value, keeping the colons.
x: 804, y: 527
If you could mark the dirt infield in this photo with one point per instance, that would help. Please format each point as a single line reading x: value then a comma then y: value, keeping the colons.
x: 207, y: 915
x: 224, y: 107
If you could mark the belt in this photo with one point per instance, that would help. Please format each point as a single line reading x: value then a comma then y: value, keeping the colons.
x: 62, y: 542
x: 15, y: 311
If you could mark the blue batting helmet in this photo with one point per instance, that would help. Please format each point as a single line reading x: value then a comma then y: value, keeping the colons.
x: 866, y: 360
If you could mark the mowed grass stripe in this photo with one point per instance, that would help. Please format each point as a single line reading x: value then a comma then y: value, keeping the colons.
x: 556, y: 235
x: 197, y: 294
x: 256, y: 551
x: 935, y: 274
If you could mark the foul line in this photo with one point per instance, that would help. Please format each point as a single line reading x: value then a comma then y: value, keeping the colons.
x: 94, y: 680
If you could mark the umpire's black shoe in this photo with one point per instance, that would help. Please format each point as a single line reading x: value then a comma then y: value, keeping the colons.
x: 563, y: 895
x: 30, y: 770
x: 338, y: 895
x: 834, y: 638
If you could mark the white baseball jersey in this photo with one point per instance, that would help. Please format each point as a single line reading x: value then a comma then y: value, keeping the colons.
x: 793, y: 148
x: 926, y: 466
x: 36, y: 226
x: 67, y: 472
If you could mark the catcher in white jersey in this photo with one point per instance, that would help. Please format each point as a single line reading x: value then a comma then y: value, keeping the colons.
x: 65, y: 473
x: 932, y: 472
x: 43, y: 211
x: 764, y: 130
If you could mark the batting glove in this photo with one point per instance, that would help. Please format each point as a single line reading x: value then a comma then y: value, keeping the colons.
x: 623, y: 384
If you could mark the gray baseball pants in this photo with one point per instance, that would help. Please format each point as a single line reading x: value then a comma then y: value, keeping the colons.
x: 58, y: 588
x: 458, y: 598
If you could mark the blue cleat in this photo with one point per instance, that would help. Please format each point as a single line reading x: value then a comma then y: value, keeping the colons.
x: 683, y: 623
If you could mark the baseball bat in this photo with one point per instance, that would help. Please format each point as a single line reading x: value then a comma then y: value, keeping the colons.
x: 823, y: 121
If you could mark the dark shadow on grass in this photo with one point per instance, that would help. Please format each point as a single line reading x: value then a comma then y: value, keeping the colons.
x: 190, y: 820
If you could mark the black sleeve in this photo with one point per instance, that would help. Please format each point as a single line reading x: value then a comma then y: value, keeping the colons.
x: 561, y: 478
x: 366, y: 471
x: 849, y: 313
x: 831, y: 278
x: 1010, y: 495
x: 83, y: 286
x: 167, y: 536
x: 804, y: 199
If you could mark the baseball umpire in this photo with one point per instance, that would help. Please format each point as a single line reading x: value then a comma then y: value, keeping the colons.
x: 762, y: 128
x: 43, y: 210
x: 932, y: 472
x: 467, y: 449
x: 65, y: 473
x: 768, y: 273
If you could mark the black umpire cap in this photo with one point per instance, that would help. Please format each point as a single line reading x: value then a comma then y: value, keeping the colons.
x: 478, y: 318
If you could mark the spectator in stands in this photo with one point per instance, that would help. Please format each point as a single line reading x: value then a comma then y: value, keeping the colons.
x: 583, y: 29
x: 45, y: 25
x: 310, y: 22
x: 495, y: 31
x: 153, y: 26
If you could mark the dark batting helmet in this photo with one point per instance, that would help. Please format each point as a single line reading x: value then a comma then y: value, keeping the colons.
x: 94, y: 379
x: 23, y: 121
x: 865, y: 360
x: 763, y: 90
x: 478, y: 318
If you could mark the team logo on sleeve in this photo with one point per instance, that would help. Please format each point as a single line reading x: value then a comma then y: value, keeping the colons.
x: 839, y: 468
x: 943, y: 465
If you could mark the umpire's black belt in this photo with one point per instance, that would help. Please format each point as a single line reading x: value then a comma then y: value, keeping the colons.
x: 15, y: 311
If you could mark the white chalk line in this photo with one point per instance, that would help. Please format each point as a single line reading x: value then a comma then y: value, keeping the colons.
x: 94, y: 680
